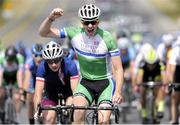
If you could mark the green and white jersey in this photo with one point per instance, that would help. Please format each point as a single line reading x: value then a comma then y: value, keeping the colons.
x: 14, y: 66
x: 93, y: 52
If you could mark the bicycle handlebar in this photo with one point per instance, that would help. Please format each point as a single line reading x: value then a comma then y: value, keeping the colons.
x: 151, y: 84
x: 174, y: 85
x: 72, y: 108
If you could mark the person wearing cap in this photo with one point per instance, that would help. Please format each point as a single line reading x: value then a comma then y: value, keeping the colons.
x: 97, y: 52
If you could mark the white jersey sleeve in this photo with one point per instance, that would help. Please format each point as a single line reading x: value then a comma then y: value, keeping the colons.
x: 175, y: 59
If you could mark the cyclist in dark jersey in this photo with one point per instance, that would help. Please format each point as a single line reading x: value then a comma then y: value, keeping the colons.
x: 11, y: 72
x: 30, y: 68
x: 55, y: 75
x: 151, y: 69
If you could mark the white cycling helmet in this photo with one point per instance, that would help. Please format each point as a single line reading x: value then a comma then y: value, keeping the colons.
x: 150, y: 56
x: 52, y: 50
x: 167, y: 39
x: 123, y: 43
x: 89, y: 12
x: 145, y: 47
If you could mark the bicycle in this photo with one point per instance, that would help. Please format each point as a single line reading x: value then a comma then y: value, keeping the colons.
x: 58, y: 108
x: 150, y: 97
x: 128, y: 97
x: 63, y: 115
x: 95, y: 109
x: 10, y: 109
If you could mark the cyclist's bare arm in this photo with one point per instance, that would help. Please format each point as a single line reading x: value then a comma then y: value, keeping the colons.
x: 163, y: 77
x: 27, y: 77
x: 171, y: 72
x: 19, y: 78
x: 140, y: 76
x: 118, y: 73
x: 46, y: 29
x: 38, y: 93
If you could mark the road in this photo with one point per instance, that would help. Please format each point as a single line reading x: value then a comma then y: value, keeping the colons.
x: 26, y: 27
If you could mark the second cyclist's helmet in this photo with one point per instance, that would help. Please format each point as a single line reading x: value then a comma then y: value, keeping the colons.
x: 89, y: 12
x: 123, y: 43
x: 167, y: 39
x: 52, y: 50
x: 151, y: 56
x: 37, y: 49
x: 10, y: 53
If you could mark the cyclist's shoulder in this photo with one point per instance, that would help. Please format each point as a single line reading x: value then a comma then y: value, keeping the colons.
x: 2, y: 57
x: 20, y: 58
x: 104, y: 33
x: 42, y: 68
x: 43, y: 64
x: 72, y: 31
x: 2, y: 54
x: 69, y: 62
x: 30, y: 62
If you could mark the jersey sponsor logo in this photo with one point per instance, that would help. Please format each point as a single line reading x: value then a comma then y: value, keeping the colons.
x: 89, y: 48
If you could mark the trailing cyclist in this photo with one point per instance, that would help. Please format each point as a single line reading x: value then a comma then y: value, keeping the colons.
x: 97, y: 52
x: 173, y: 77
x: 11, y: 72
x: 139, y: 59
x: 127, y: 55
x: 23, y: 50
x: 165, y: 47
x: 55, y: 75
x: 30, y: 68
x: 150, y: 69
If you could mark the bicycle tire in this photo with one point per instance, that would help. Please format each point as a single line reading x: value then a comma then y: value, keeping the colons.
x: 151, y: 109
x: 10, y: 111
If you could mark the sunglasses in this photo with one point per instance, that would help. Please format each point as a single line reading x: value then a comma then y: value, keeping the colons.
x: 51, y: 61
x: 37, y: 55
x: 90, y: 22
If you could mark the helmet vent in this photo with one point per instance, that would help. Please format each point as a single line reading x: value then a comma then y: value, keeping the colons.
x: 52, y: 50
x: 45, y: 53
x: 89, y: 12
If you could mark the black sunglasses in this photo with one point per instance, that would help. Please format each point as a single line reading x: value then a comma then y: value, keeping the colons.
x: 51, y: 61
x: 37, y: 55
x: 90, y: 22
